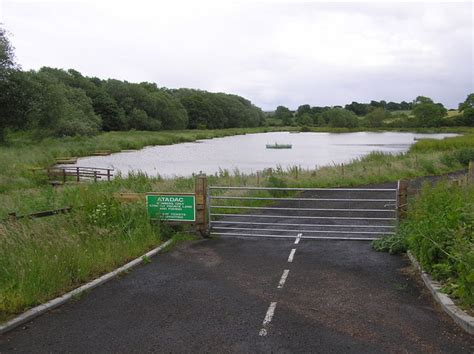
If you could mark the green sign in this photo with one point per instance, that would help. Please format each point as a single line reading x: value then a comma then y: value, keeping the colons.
x: 171, y: 207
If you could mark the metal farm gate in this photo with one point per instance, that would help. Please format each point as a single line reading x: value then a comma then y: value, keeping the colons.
x: 316, y: 213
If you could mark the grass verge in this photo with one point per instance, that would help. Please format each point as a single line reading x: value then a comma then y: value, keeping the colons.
x: 439, y: 231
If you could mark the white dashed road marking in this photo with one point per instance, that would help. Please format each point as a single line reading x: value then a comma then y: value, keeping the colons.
x: 283, y: 278
x: 268, y: 318
x: 271, y: 309
x: 292, y: 254
x: 298, y: 238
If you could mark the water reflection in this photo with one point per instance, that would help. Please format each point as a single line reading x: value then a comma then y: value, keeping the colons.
x: 247, y: 153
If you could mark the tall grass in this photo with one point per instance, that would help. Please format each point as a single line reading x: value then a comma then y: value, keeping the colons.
x: 429, y: 145
x: 439, y: 230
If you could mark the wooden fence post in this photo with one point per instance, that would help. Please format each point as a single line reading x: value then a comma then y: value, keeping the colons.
x: 64, y: 176
x: 470, y: 172
x: 402, y: 199
x: 200, y: 189
x: 77, y: 174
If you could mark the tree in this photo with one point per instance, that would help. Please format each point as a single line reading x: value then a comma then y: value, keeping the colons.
x: 202, y: 112
x: 218, y: 110
x: 57, y: 109
x: 468, y: 117
x: 421, y: 100
x: 113, y: 116
x: 15, y: 102
x: 7, y: 56
x: 305, y: 108
x: 360, y: 109
x: 8, y: 67
x: 393, y: 106
x: 319, y: 120
x: 376, y: 104
x: 467, y: 110
x: 376, y: 118
x: 468, y: 103
x: 304, y: 120
x: 284, y: 114
x: 405, y: 106
x: 340, y: 117
x: 428, y: 114
x: 316, y: 110
x: 77, y: 115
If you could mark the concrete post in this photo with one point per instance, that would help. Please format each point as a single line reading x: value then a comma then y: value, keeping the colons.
x: 402, y: 199
x: 200, y: 190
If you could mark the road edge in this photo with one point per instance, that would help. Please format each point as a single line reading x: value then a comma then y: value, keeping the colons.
x: 464, y: 320
x: 47, y: 306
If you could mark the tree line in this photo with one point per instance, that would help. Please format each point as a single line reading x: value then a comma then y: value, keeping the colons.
x: 421, y: 112
x: 56, y: 102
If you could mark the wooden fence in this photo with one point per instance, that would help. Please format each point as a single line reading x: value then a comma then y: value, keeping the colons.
x: 61, y: 174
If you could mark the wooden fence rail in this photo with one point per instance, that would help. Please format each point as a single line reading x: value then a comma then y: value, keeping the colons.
x: 88, y: 173
x: 39, y: 214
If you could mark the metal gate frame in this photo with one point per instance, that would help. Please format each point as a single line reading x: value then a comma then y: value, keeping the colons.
x: 260, y: 225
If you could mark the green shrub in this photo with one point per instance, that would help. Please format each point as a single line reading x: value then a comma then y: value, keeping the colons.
x: 465, y: 155
x: 428, y: 166
x: 448, y: 160
x: 277, y: 182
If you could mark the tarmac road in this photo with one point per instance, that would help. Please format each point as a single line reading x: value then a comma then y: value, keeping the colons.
x: 253, y: 295
x: 213, y: 296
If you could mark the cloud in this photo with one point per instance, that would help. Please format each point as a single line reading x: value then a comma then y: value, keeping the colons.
x: 273, y: 53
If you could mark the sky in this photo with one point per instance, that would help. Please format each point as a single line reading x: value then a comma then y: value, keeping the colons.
x: 271, y: 52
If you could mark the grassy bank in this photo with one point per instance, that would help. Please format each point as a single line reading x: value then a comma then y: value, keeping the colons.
x: 439, y: 231
x: 23, y: 153
x: 42, y: 258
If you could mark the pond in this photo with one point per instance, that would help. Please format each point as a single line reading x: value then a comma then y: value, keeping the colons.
x: 248, y: 153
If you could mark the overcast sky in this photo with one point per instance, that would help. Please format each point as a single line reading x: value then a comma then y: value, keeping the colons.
x: 273, y: 53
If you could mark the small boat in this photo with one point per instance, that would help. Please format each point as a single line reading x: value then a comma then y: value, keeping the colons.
x: 279, y: 146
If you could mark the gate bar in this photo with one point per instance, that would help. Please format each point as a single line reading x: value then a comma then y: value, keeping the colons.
x: 310, y: 189
x: 303, y: 217
x: 284, y: 224
x: 308, y: 199
x: 310, y: 231
x: 303, y: 209
x: 337, y: 238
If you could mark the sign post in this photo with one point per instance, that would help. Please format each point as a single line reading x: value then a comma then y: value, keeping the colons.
x: 171, y: 207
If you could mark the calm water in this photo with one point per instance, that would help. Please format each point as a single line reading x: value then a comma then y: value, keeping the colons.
x: 247, y: 153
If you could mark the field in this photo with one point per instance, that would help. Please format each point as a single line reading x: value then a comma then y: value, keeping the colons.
x: 42, y: 258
